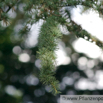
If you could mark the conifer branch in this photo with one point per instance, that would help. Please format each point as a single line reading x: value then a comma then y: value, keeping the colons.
x: 79, y: 32
x: 47, y: 46
x: 49, y: 10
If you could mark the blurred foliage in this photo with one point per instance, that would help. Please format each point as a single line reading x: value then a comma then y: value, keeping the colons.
x: 19, y: 81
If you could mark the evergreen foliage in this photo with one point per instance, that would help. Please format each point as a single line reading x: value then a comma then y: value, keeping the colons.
x: 51, y: 12
x: 47, y: 45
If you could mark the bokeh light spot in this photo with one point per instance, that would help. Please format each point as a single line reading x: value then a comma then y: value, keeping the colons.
x: 24, y: 57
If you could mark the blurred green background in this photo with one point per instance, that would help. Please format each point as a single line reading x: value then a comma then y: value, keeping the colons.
x: 19, y: 67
